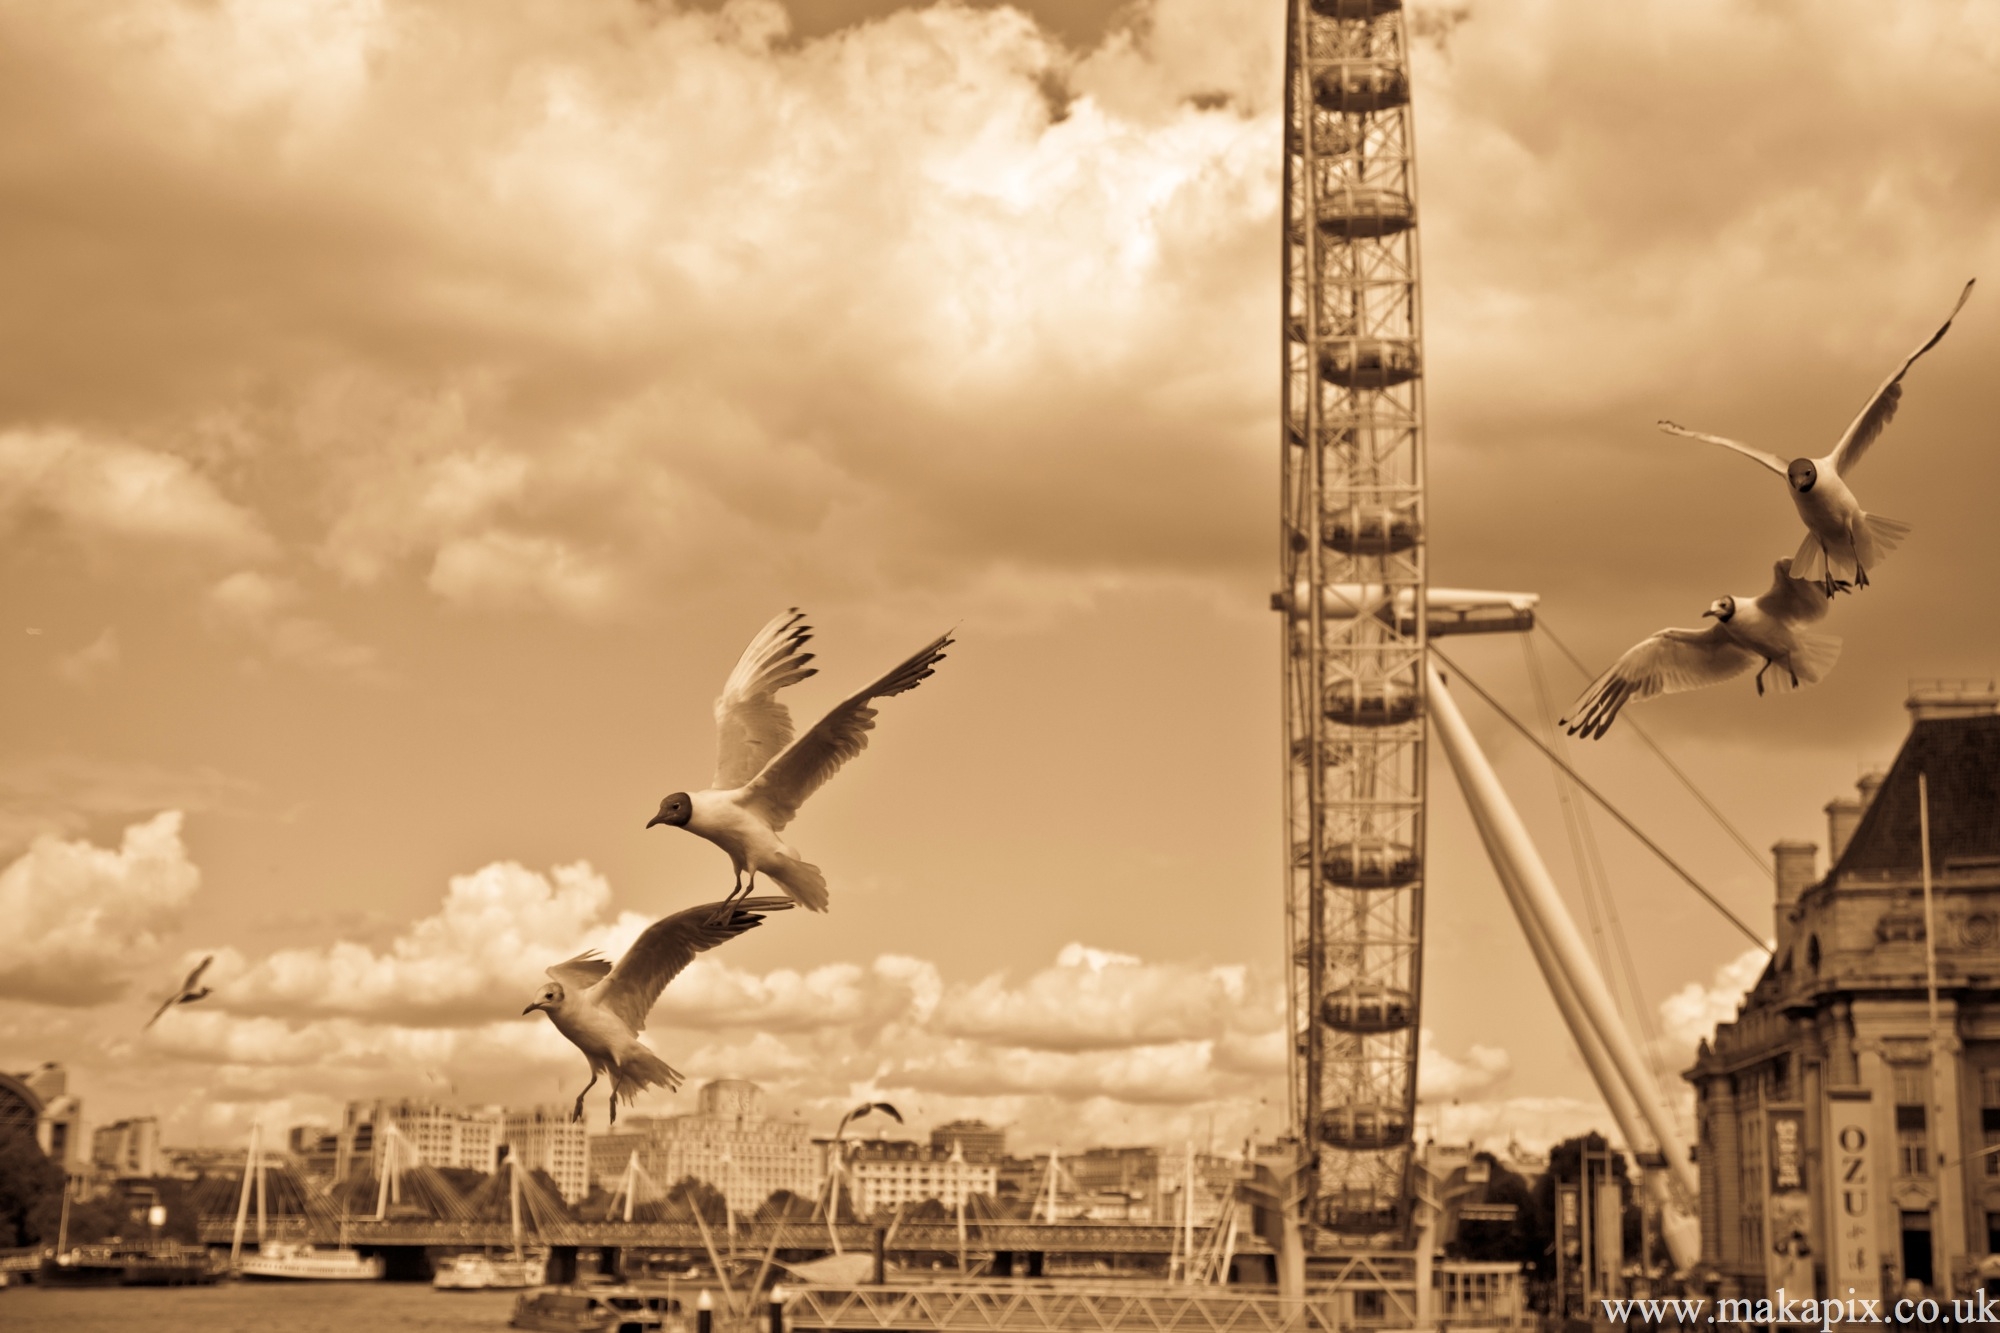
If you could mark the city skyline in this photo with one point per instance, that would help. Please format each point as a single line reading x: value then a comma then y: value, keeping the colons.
x: 406, y: 421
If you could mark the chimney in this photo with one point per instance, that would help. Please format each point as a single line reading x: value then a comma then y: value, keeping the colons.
x: 1797, y: 866
x: 1933, y: 699
x: 1843, y: 816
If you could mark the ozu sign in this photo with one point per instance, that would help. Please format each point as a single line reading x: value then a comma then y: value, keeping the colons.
x: 1850, y: 1164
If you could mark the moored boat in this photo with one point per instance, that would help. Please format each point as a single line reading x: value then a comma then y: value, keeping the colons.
x: 165, y: 1265
x: 484, y: 1272
x: 590, y: 1309
x: 282, y: 1260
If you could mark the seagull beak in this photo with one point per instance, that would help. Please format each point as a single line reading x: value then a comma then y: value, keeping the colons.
x: 1708, y: 613
x: 531, y: 1009
x: 656, y: 819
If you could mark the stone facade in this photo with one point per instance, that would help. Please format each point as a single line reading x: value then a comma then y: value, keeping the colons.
x: 1840, y: 1129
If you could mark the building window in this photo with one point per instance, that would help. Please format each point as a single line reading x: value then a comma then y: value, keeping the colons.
x: 1912, y: 1083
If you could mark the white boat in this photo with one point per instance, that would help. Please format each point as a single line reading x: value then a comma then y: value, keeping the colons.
x: 483, y: 1272
x: 310, y: 1263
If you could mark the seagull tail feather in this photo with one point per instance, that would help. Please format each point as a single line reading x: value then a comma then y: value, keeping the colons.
x: 1811, y: 661
x: 803, y: 881
x: 1810, y: 562
x: 643, y: 1070
x: 1878, y: 537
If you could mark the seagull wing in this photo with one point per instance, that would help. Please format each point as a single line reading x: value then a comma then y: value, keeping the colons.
x: 1771, y: 461
x: 777, y: 793
x: 669, y: 945
x: 195, y: 975
x: 1667, y: 663
x: 581, y: 972
x: 165, y: 1005
x: 1795, y: 601
x: 1882, y: 407
x: 750, y: 724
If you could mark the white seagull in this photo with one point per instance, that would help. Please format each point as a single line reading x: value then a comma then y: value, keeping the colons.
x: 1842, y: 539
x: 762, y: 775
x: 187, y: 993
x: 602, y: 1009
x: 1746, y: 630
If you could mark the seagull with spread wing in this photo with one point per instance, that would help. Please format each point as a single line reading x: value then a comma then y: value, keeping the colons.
x: 602, y: 1009
x: 188, y: 992
x: 1842, y: 539
x: 762, y: 775
x: 1746, y: 630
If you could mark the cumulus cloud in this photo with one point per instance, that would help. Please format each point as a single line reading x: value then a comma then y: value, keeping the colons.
x: 82, y: 919
x: 1093, y: 999
x: 92, y: 660
x: 102, y: 493
x: 1690, y: 1014
x: 571, y: 346
x: 259, y: 608
x: 1445, y: 1078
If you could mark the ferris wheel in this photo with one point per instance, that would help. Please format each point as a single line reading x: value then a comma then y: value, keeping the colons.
x: 1359, y: 688
x: 1352, y: 552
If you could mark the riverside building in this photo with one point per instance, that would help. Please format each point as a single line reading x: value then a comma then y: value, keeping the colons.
x: 1845, y: 1139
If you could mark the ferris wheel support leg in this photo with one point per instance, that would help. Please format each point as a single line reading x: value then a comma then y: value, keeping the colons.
x: 1578, y: 987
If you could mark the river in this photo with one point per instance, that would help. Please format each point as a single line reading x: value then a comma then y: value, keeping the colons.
x: 255, y: 1307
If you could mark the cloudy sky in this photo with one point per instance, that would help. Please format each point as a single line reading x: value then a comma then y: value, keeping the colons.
x: 408, y: 410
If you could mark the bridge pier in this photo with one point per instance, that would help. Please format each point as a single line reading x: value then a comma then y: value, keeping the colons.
x: 562, y: 1265
x: 405, y: 1263
x: 1017, y: 1263
x: 608, y: 1260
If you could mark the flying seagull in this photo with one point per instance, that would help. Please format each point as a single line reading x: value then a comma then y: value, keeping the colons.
x: 186, y: 994
x: 863, y: 1109
x: 1842, y: 539
x: 602, y: 1009
x: 1746, y: 630
x: 762, y: 775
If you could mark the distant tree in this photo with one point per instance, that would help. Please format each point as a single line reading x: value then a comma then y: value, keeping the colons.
x: 464, y: 1180
x: 689, y: 1195
x: 1513, y: 1241
x: 783, y: 1205
x: 28, y: 1180
x: 1565, y: 1166
x: 928, y: 1210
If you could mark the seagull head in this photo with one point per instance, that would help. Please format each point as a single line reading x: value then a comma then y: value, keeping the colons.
x: 547, y: 998
x: 675, y: 811
x: 1802, y: 473
x: 1722, y: 608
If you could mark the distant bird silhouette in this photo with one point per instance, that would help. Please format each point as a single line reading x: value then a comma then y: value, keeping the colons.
x: 1842, y: 540
x: 762, y: 775
x: 1746, y: 629
x: 602, y: 1009
x: 186, y: 994
x: 864, y: 1109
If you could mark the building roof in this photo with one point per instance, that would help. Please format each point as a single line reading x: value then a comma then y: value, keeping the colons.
x: 1960, y: 758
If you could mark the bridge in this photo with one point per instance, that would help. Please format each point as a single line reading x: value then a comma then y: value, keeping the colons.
x: 907, y: 1238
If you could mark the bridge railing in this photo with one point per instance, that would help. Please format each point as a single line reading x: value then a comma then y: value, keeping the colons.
x: 1067, y: 1307
x: 1097, y: 1238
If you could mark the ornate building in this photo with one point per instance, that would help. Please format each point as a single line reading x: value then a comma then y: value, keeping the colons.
x: 442, y: 1135
x: 127, y: 1147
x: 38, y: 1103
x: 544, y: 1138
x: 885, y: 1173
x: 1841, y: 1129
x: 728, y: 1143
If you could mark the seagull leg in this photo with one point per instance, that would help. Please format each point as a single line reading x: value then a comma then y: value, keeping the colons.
x: 1760, y: 674
x: 577, y: 1114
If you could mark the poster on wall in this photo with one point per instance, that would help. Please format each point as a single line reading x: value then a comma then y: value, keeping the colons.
x: 1853, y: 1263
x: 1788, y: 1224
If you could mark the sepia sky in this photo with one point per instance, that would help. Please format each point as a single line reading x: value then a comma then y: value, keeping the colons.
x: 409, y: 410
